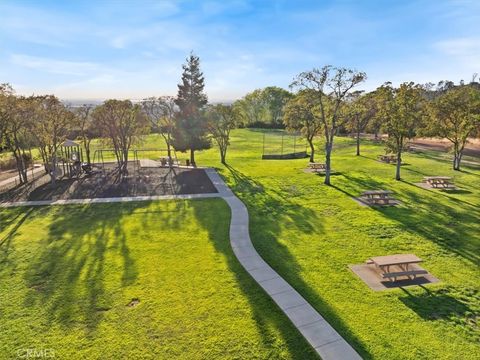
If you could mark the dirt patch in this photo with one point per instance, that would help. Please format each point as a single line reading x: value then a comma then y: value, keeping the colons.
x: 471, y: 149
x: 105, y: 182
x: 133, y: 302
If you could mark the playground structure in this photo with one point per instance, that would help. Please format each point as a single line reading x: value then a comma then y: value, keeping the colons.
x: 142, y: 158
x: 68, y: 159
x: 281, y: 145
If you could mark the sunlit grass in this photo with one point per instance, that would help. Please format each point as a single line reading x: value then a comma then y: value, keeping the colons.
x: 310, y: 233
x: 307, y: 231
x: 68, y: 275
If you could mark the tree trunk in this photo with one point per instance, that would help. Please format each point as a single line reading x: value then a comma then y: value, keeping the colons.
x: 169, y: 147
x: 192, y: 158
x: 125, y: 162
x: 328, y: 152
x: 358, y: 140
x: 53, y: 170
x: 24, y: 167
x: 312, y: 150
x: 87, y: 152
x: 21, y: 168
x: 399, y: 164
x: 457, y: 158
x: 223, y: 155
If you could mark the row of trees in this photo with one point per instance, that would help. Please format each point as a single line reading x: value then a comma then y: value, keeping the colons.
x: 326, y: 103
x: 186, y: 122
x: 36, y: 121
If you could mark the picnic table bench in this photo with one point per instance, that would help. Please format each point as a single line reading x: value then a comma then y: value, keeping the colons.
x: 439, y: 181
x: 393, y: 266
x: 317, y: 167
x: 378, y: 197
x: 388, y: 158
x: 166, y: 161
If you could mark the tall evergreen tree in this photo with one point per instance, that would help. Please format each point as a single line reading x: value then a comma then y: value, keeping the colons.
x: 191, y: 126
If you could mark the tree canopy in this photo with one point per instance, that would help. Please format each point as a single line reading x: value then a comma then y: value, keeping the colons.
x: 455, y: 115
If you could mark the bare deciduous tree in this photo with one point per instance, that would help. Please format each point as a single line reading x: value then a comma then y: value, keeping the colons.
x: 331, y: 86
x: 50, y: 123
x: 161, y: 114
x: 87, y: 130
x: 122, y: 123
x: 221, y: 120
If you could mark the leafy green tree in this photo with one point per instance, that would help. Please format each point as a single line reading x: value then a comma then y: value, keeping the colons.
x: 6, y: 104
x: 275, y: 99
x: 191, y: 130
x: 402, y: 112
x: 302, y: 114
x: 15, y: 113
x: 50, y: 124
x: 455, y: 116
x: 222, y: 119
x: 122, y: 122
x: 331, y: 85
x: 251, y: 108
x: 263, y: 107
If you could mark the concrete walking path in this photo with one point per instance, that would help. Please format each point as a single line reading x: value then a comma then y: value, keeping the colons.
x: 108, y: 200
x: 15, y: 178
x: 316, y: 330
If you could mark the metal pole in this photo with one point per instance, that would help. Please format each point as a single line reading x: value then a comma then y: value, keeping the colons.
x: 263, y: 149
x: 281, y: 151
x: 294, y: 143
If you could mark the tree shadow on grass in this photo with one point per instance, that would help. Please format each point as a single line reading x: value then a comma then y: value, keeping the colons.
x: 470, y: 172
x: 270, y: 211
x: 450, y: 227
x: 435, y: 305
x: 66, y: 276
x: 11, y: 220
x: 265, y: 313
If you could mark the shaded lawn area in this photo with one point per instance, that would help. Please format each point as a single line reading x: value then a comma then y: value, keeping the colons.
x: 133, y: 280
x: 310, y: 233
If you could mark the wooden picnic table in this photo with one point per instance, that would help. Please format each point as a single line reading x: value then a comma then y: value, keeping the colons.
x: 401, y: 261
x: 377, y: 196
x: 388, y: 158
x: 437, y: 181
x: 317, y: 166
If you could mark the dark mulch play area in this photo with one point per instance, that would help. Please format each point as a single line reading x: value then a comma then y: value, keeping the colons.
x: 105, y: 182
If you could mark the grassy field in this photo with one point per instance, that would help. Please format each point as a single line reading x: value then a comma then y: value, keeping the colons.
x: 69, y: 273
x: 310, y: 233
x: 56, y: 286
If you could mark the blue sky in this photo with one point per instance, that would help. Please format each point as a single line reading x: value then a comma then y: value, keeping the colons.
x: 134, y: 49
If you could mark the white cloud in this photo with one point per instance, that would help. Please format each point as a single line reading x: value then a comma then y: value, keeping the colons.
x: 53, y: 66
x: 464, y: 51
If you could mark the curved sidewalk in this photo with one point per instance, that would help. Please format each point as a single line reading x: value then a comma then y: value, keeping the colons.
x: 316, y: 330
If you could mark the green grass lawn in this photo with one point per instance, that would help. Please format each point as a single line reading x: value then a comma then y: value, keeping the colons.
x: 310, y: 233
x: 68, y: 273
